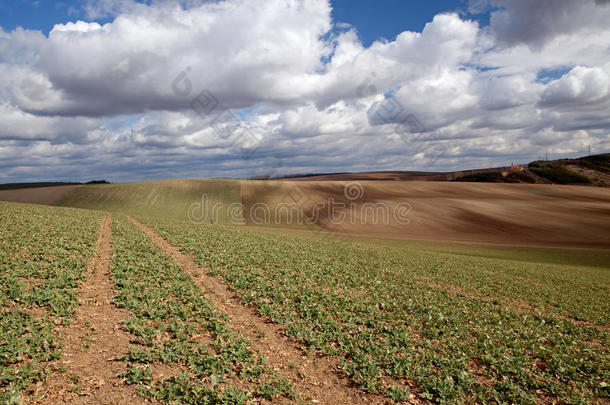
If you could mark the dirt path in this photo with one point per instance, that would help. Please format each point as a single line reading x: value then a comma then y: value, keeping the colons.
x: 316, y: 378
x: 93, y: 341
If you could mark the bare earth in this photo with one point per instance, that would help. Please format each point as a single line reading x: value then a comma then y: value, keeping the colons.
x: 514, y: 214
x: 37, y: 195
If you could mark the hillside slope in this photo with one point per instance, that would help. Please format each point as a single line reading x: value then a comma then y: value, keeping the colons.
x: 527, y: 214
x: 589, y: 170
x: 166, y: 198
x: 495, y: 213
x: 37, y: 195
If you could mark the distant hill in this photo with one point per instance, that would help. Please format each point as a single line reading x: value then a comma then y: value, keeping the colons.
x: 592, y: 170
x: 589, y: 170
x: 18, y: 186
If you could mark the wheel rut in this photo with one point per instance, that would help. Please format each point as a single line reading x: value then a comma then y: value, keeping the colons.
x: 317, y: 378
x: 93, y: 341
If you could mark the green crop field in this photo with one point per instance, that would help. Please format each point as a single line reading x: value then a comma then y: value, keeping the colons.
x: 43, y: 255
x: 168, y: 198
x: 405, y: 321
x: 449, y: 327
x: 174, y: 325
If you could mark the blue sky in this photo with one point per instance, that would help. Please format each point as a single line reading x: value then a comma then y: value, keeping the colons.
x: 372, y: 19
x: 36, y: 14
x: 387, y: 18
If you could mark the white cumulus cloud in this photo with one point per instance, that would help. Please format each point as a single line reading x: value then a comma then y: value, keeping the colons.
x: 118, y: 97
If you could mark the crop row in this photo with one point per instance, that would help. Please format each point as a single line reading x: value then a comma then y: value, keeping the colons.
x: 176, y: 328
x: 440, y: 325
x: 43, y: 255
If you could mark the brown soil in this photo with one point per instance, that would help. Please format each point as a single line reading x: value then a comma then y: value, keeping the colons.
x: 490, y: 213
x: 386, y: 176
x: 512, y: 214
x: 397, y: 175
x: 37, y: 195
x: 93, y: 342
x: 317, y: 378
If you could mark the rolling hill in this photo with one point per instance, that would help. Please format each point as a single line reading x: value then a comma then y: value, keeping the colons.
x: 524, y: 214
x: 590, y: 170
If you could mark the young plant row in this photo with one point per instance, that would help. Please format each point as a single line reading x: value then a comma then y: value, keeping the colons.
x: 178, y: 331
x: 400, y: 326
x: 43, y: 254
